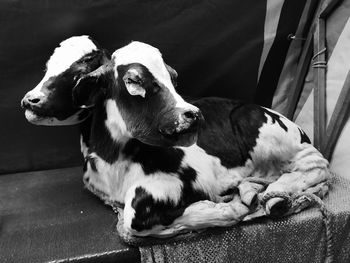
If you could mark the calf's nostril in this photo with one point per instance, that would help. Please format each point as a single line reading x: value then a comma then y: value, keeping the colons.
x: 34, y: 101
x: 190, y: 115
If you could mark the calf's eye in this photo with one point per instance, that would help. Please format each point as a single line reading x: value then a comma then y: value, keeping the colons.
x: 155, y: 87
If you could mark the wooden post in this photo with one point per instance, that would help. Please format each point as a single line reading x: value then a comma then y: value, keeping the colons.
x: 337, y: 120
x: 320, y: 90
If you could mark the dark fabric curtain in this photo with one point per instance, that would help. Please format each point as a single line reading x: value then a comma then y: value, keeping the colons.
x: 214, y: 45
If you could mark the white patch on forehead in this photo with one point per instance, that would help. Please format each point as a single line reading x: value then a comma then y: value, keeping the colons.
x: 69, y: 51
x: 151, y: 58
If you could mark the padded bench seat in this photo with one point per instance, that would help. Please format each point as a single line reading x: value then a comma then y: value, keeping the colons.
x: 299, y: 238
x: 49, y: 216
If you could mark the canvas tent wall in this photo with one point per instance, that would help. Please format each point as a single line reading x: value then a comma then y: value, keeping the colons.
x: 336, y: 52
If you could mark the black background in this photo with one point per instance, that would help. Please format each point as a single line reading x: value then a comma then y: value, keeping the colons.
x: 215, y: 46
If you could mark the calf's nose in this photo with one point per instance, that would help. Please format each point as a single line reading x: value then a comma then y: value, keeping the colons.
x: 30, y: 100
x: 192, y: 116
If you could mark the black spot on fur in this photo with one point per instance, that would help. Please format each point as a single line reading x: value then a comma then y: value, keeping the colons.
x: 85, y: 165
x: 85, y: 129
x: 101, y: 141
x: 149, y: 212
x: 230, y: 130
x: 303, y: 137
x: 152, y: 158
x: 275, y: 117
x: 189, y: 195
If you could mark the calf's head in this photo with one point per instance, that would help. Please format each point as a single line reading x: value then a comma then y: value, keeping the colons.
x: 51, y: 102
x: 141, y: 101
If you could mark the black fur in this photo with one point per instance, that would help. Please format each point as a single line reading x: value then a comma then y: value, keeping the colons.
x: 101, y: 141
x: 150, y: 212
x: 85, y: 165
x: 275, y: 117
x: 152, y: 158
x: 147, y: 117
x: 230, y: 129
x: 85, y: 129
x: 304, y: 137
x: 189, y: 195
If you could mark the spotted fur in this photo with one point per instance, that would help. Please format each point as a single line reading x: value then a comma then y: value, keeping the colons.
x: 157, y: 181
x: 50, y: 102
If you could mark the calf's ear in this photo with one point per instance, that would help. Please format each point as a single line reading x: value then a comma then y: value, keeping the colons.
x: 173, y: 74
x: 89, y: 86
x: 133, y: 82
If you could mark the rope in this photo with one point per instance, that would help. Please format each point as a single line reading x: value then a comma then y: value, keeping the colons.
x: 319, y: 64
x: 296, y: 199
x: 319, y: 53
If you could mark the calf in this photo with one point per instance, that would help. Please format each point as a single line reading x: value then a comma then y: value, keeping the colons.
x: 51, y: 102
x: 149, y: 150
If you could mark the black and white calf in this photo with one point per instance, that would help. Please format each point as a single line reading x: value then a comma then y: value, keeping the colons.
x: 150, y: 150
x: 51, y: 102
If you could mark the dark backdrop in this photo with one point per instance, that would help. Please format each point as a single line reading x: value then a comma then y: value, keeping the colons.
x: 214, y: 45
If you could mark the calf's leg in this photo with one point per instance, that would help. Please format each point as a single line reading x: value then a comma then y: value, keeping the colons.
x: 307, y: 172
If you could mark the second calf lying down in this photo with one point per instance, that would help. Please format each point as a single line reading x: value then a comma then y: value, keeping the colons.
x: 151, y: 151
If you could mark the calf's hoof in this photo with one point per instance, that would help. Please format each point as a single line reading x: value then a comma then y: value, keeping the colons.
x: 277, y: 206
x: 248, y: 192
x: 250, y: 199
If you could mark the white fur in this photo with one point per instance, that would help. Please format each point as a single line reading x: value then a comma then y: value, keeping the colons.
x: 83, y: 147
x: 134, y: 88
x: 197, y: 216
x: 69, y: 51
x: 212, y: 177
x: 114, y: 179
x: 162, y: 187
x: 52, y: 121
x: 115, y: 123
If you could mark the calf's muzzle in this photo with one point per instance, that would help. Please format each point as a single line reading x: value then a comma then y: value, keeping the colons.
x: 188, y: 121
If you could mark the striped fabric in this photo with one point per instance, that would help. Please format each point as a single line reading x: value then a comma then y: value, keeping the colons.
x: 273, y: 12
x: 281, y: 98
x: 282, y: 20
x: 338, y: 46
